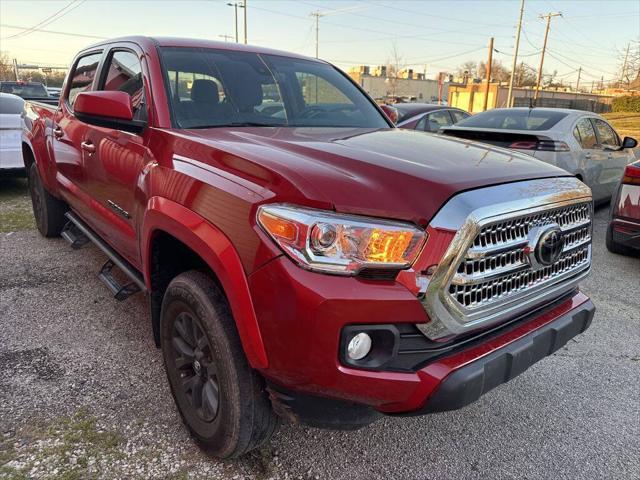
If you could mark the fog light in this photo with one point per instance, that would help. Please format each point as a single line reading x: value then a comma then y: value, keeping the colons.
x: 359, y: 346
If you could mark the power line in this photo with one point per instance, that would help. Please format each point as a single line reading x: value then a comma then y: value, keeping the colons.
x: 55, y: 32
x: 48, y: 20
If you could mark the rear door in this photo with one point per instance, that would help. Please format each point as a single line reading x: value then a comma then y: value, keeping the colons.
x: 590, y: 158
x: 616, y: 159
x: 116, y: 157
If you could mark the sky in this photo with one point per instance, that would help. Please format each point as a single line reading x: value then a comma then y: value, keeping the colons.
x: 432, y: 35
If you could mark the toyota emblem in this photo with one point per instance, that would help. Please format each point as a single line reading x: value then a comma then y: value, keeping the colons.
x: 546, y: 244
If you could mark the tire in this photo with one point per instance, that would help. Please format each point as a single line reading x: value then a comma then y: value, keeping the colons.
x: 222, y: 401
x: 47, y: 209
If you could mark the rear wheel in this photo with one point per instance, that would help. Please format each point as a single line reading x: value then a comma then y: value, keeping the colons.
x: 47, y: 209
x: 220, y: 398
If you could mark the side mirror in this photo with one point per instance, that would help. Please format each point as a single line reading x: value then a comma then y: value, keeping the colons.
x: 629, y: 142
x: 111, y: 109
x: 390, y: 112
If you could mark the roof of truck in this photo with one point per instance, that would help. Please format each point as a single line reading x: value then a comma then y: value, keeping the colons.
x: 150, y: 42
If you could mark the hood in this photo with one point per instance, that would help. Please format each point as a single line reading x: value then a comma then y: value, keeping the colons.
x: 391, y: 173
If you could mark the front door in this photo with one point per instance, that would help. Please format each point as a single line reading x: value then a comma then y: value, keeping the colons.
x: 616, y: 159
x: 117, y: 158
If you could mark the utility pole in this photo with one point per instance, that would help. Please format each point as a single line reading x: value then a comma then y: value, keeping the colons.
x: 602, y: 83
x: 15, y: 69
x: 624, y: 64
x: 235, y: 6
x: 593, y: 84
x: 548, y: 16
x: 317, y: 14
x: 578, y: 82
x: 488, y: 73
x: 226, y: 37
x: 244, y: 5
x: 515, y: 55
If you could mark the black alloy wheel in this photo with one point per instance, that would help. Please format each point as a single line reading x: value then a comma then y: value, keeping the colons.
x: 193, y: 360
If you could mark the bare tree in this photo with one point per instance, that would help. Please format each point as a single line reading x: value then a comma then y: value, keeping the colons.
x: 6, y: 68
x: 499, y: 73
x: 394, y: 65
x: 467, y: 69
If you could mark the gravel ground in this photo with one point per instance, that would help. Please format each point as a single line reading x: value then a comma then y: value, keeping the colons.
x: 83, y: 393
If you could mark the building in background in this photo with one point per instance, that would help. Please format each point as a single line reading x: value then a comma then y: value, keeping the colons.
x: 407, y: 85
x: 470, y: 97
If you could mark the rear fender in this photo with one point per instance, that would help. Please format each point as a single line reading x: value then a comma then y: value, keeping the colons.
x: 219, y: 254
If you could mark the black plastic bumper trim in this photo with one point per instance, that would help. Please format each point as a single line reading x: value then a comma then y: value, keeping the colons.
x: 469, y: 383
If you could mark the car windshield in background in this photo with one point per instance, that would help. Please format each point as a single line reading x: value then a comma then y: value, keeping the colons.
x: 514, y: 119
x: 24, y: 90
x: 216, y: 88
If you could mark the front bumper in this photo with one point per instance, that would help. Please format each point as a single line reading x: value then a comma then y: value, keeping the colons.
x: 301, y: 316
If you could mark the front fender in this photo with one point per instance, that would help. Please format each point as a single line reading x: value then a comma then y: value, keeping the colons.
x: 217, y: 251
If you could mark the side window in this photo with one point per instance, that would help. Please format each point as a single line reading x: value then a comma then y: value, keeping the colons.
x: 422, y: 123
x: 124, y: 74
x: 606, y: 135
x: 587, y: 133
x: 317, y: 91
x: 81, y: 80
x: 458, y: 115
x: 437, y: 120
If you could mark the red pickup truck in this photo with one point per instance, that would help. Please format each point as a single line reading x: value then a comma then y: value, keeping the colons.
x: 302, y: 257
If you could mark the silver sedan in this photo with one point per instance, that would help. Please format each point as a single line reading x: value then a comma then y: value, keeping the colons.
x: 582, y: 143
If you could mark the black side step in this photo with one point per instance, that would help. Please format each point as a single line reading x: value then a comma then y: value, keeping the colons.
x: 74, y: 236
x: 120, y: 291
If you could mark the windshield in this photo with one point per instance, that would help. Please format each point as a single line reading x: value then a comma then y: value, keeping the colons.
x: 216, y: 88
x: 514, y: 119
x: 25, y: 90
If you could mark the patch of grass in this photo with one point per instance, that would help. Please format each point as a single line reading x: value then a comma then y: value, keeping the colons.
x: 78, y: 436
x: 15, y: 205
x: 627, y: 124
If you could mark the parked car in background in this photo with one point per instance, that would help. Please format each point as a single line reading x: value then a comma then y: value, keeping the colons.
x: 54, y: 91
x: 428, y: 117
x: 25, y: 89
x: 11, y: 107
x: 623, y: 232
x: 582, y: 143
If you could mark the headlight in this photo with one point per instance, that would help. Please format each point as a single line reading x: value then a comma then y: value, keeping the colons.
x: 341, y: 244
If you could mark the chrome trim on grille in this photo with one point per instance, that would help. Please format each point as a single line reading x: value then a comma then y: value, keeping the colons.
x: 487, y: 275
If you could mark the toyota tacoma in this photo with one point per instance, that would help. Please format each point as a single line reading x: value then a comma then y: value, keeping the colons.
x: 303, y: 258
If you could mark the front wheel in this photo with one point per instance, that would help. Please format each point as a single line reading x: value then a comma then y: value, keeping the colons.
x: 47, y: 209
x: 221, y: 399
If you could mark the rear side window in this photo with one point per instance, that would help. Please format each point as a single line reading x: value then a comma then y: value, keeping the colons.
x: 606, y: 134
x: 437, y: 120
x: 84, y: 73
x: 124, y: 74
x: 459, y: 116
x: 512, y: 119
x: 585, y: 134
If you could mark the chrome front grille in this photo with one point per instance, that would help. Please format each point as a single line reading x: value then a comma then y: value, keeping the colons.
x: 506, y: 257
x: 497, y: 267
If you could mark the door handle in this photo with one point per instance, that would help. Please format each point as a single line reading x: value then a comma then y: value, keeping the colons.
x: 88, y: 147
x: 58, y: 133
